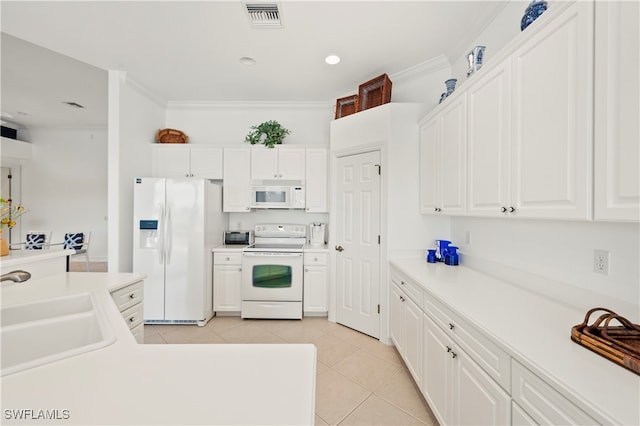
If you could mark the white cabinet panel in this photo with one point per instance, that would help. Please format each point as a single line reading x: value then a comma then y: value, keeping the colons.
x: 617, y: 108
x: 236, y: 194
x: 479, y: 400
x: 279, y: 163
x: 489, y: 137
x: 182, y: 160
x: 315, y: 289
x: 543, y: 403
x: 317, y: 179
x: 443, y: 162
x: 437, y: 379
x: 552, y: 112
x: 227, y: 286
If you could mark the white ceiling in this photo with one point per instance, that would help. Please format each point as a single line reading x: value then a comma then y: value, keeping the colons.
x: 190, y: 51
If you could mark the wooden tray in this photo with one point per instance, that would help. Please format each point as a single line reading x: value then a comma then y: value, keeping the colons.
x: 620, y: 344
x: 374, y: 92
x: 346, y: 106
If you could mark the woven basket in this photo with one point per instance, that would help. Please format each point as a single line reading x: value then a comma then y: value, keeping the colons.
x: 171, y: 136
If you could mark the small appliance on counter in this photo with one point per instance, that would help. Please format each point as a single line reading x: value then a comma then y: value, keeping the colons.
x: 238, y: 238
x: 317, y: 234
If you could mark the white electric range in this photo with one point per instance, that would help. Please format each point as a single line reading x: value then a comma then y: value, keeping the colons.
x: 272, y: 277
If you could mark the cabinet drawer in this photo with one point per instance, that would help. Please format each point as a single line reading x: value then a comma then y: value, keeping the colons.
x: 227, y: 258
x: 133, y: 316
x: 411, y: 289
x: 542, y: 402
x: 128, y: 296
x: 315, y: 259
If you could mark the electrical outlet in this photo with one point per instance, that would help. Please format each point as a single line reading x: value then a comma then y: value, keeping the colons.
x: 601, y: 262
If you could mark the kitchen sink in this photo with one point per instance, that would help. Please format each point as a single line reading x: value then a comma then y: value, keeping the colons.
x: 43, y: 332
x: 50, y: 308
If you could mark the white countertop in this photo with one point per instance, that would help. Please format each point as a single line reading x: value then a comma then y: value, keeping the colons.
x: 536, y: 331
x: 127, y: 383
x: 22, y: 257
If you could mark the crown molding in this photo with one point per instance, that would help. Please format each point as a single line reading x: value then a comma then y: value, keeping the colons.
x: 438, y: 63
x: 208, y: 105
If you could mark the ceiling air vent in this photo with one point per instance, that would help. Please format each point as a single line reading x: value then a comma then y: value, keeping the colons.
x: 264, y: 15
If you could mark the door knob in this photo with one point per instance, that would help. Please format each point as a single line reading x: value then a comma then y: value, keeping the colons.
x: 339, y: 248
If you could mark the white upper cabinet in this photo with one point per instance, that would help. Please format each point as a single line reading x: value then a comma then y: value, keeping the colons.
x: 236, y: 194
x: 317, y: 177
x: 279, y: 163
x: 617, y: 111
x: 443, y: 162
x: 182, y: 160
x: 551, y: 147
x: 489, y: 138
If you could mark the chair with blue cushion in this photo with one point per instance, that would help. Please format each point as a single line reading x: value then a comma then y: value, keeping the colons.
x: 37, y: 240
x: 78, y: 241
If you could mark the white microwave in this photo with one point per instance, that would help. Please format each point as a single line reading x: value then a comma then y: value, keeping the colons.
x: 278, y: 197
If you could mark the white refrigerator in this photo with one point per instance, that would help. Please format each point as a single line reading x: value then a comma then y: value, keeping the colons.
x: 176, y: 224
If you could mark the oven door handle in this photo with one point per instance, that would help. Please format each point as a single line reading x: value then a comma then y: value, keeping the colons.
x: 271, y: 254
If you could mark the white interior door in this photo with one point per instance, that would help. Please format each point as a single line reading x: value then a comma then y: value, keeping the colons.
x: 357, y: 242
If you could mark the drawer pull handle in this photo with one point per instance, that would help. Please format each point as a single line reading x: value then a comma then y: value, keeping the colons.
x: 228, y: 258
x: 451, y: 326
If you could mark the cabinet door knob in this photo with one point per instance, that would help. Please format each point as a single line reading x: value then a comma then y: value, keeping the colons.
x: 453, y: 355
x: 401, y: 299
x: 339, y: 248
x: 503, y: 209
x: 132, y: 296
x: 132, y: 319
x: 228, y: 258
x: 401, y: 282
x: 448, y: 349
x: 512, y: 209
x: 451, y: 326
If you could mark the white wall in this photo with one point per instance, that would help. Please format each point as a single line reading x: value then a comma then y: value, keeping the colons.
x: 228, y: 123
x: 64, y: 186
x: 133, y: 122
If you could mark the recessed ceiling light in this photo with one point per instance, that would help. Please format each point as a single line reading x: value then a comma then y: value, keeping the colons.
x: 245, y: 60
x: 332, y: 59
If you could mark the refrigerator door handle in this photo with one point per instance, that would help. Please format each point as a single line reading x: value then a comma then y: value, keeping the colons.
x: 168, y: 241
x: 161, y: 231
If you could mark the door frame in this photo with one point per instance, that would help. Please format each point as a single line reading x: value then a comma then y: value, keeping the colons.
x: 383, y: 268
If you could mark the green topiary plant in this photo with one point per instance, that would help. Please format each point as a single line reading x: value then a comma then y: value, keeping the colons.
x: 270, y: 133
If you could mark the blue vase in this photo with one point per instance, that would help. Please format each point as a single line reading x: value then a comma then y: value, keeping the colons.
x: 451, y: 85
x: 533, y: 11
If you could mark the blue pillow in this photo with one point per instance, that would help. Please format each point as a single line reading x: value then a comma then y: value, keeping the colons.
x: 73, y: 241
x: 35, y: 241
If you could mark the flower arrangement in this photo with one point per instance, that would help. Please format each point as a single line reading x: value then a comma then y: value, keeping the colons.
x: 9, y: 214
x: 269, y: 133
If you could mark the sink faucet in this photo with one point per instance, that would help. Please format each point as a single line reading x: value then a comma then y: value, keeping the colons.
x: 15, y: 276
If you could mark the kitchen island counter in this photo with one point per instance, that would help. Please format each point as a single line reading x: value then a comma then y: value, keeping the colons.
x: 127, y: 383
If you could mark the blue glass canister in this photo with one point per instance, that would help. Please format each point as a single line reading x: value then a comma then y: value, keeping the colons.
x: 452, y: 256
x: 441, y: 250
x: 431, y: 255
x: 533, y: 11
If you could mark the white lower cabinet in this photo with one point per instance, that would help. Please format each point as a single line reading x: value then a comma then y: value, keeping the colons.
x: 315, y: 279
x: 457, y: 389
x: 128, y: 300
x: 227, y: 282
x: 542, y: 403
x: 406, y: 323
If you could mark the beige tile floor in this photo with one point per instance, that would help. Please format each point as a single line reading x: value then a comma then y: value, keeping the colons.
x: 360, y: 381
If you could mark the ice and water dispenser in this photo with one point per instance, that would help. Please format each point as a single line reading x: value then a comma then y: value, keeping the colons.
x: 149, y: 238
